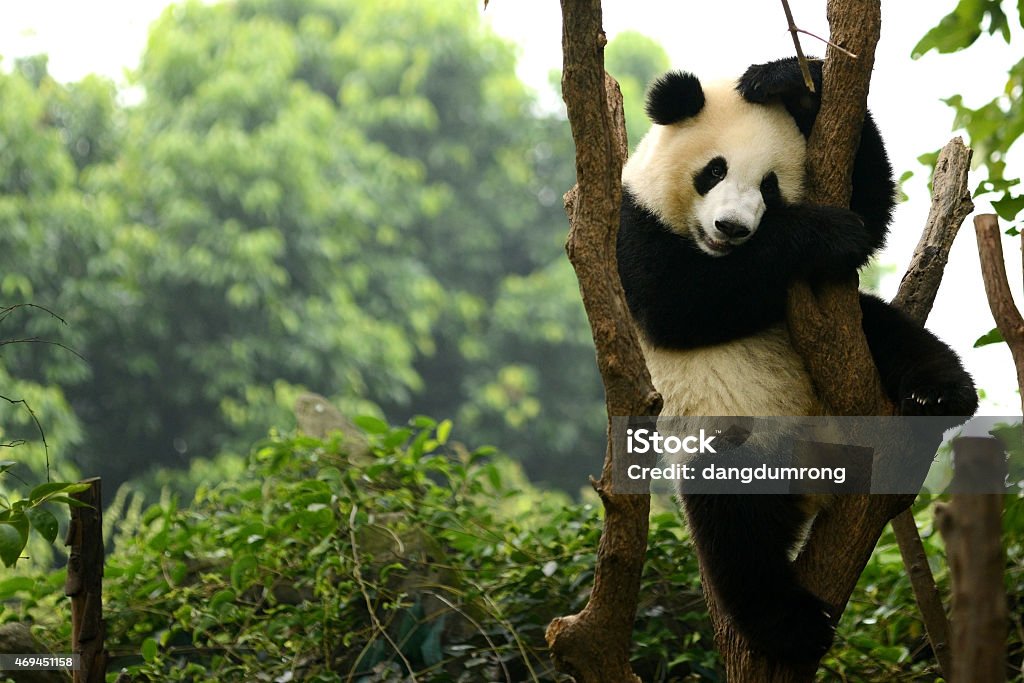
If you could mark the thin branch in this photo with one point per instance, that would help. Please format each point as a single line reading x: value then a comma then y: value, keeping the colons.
x: 480, y: 629
x: 37, y: 340
x: 926, y: 593
x: 39, y: 427
x: 7, y: 310
x: 793, y: 30
x: 828, y: 42
x: 358, y: 576
x: 997, y: 289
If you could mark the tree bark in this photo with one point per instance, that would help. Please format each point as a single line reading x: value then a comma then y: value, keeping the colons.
x: 971, y: 525
x: 825, y: 326
x: 951, y: 204
x: 997, y: 289
x: 594, y: 645
x: 84, y: 585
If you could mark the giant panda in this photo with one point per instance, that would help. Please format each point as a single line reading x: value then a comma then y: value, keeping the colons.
x: 714, y: 228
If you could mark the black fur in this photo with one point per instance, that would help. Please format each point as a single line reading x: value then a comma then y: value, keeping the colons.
x: 743, y: 541
x: 874, y: 189
x: 684, y: 298
x: 709, y: 176
x: 674, y: 97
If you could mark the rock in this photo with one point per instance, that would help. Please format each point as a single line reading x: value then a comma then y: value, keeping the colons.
x: 317, y: 417
x: 16, y: 639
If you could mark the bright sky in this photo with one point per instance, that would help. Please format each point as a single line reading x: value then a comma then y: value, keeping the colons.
x: 712, y: 40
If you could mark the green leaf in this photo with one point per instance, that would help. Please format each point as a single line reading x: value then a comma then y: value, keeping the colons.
x: 68, y: 500
x: 443, y: 430
x: 8, y: 587
x: 953, y: 33
x: 430, y: 649
x: 241, y: 569
x: 993, y: 336
x: 929, y: 159
x: 44, y: 522
x: 53, y: 488
x: 222, y: 596
x: 149, y: 649
x: 493, y: 476
x: 371, y: 425
x: 1009, y: 206
x: 423, y: 422
x: 12, y: 542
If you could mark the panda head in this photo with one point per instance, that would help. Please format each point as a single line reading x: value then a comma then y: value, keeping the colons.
x: 712, y: 162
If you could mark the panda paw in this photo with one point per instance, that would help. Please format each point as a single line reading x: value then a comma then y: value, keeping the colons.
x: 940, y: 399
x: 801, y: 630
x: 763, y: 82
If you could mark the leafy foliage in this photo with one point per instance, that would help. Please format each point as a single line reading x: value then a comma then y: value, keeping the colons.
x: 20, y: 516
x: 635, y: 61
x: 317, y: 562
x: 320, y: 560
x: 995, y: 126
x: 327, y: 194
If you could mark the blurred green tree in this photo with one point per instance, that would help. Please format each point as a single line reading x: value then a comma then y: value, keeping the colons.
x: 356, y: 198
x: 635, y: 61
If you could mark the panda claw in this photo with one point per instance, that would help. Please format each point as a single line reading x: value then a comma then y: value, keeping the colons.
x: 947, y: 399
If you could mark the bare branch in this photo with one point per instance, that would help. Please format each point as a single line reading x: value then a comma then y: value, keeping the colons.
x: 39, y: 428
x: 594, y: 645
x: 951, y: 204
x: 926, y: 593
x: 828, y: 42
x: 37, y: 340
x: 793, y: 30
x: 997, y: 289
x: 7, y: 310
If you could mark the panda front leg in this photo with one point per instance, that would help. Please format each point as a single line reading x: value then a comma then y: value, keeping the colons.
x: 743, y: 541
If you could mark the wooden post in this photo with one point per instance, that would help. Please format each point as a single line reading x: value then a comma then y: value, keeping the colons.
x: 971, y: 525
x: 84, y: 584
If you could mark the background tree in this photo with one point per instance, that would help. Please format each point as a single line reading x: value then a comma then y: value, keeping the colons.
x: 994, y: 127
x: 354, y: 198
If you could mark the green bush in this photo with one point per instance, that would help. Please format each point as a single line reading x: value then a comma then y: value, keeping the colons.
x: 362, y: 557
x: 319, y: 561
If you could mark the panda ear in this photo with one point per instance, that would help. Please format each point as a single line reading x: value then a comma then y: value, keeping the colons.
x: 673, y: 97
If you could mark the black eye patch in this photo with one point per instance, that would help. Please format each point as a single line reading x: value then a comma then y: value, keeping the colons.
x: 770, y: 190
x: 709, y: 176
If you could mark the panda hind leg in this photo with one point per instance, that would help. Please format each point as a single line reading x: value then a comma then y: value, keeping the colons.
x: 920, y: 374
x: 743, y: 542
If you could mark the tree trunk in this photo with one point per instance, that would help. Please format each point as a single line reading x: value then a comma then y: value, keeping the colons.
x: 594, y: 645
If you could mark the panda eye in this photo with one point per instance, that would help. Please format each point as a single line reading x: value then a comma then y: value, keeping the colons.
x: 770, y: 189
x: 709, y: 176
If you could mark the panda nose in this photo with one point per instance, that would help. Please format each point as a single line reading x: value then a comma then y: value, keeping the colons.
x: 732, y: 230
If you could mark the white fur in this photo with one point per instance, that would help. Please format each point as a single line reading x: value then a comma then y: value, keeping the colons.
x: 755, y: 139
x: 760, y: 375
